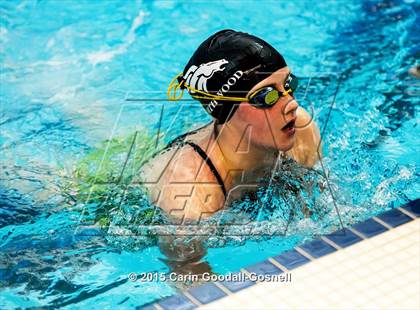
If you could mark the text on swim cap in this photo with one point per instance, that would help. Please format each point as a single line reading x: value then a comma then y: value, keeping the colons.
x: 225, y: 88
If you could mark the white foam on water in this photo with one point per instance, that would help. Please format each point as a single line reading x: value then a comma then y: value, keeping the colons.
x: 107, y: 55
x: 3, y: 33
x: 384, y: 191
x: 188, y: 30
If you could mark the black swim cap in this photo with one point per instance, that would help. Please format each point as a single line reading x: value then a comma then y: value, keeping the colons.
x: 229, y: 63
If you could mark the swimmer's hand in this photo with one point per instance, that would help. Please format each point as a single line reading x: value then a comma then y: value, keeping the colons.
x: 184, y: 254
x: 307, y: 148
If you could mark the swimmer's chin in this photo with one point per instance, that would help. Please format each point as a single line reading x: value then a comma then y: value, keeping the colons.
x: 288, y: 147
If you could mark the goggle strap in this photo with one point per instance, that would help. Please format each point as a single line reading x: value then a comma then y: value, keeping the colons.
x: 212, y: 96
x: 175, y: 85
x: 173, y: 88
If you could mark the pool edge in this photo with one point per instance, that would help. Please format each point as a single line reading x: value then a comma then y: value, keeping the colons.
x: 294, y: 258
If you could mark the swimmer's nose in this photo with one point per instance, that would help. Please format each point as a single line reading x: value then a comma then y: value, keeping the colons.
x: 291, y: 106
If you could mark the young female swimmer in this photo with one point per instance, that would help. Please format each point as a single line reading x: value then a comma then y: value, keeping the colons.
x: 247, y: 87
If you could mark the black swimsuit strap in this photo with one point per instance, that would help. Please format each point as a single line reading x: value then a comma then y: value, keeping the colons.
x: 209, y: 163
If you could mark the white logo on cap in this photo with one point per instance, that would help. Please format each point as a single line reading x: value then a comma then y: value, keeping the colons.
x: 197, y: 77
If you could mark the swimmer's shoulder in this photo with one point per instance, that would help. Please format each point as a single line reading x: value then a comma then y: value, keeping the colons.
x: 181, y: 184
x: 177, y: 150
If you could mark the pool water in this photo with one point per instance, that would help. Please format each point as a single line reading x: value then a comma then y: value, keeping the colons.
x: 70, y: 71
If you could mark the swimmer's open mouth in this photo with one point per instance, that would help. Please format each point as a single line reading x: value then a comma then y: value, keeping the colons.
x: 290, y: 125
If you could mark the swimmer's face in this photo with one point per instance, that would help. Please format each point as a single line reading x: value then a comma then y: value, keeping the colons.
x: 272, y: 127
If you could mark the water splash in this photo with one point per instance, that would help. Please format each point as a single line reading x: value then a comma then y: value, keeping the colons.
x: 107, y: 55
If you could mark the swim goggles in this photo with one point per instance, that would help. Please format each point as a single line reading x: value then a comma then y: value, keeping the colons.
x: 267, y: 96
x: 262, y: 98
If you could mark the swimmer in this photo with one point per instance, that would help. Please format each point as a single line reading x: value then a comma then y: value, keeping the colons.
x: 248, y: 89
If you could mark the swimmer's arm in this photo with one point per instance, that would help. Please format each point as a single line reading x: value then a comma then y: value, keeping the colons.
x: 307, y: 148
x: 187, y: 194
x: 184, y: 202
x: 190, y: 202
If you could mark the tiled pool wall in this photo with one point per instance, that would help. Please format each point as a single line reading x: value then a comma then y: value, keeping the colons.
x: 289, y: 260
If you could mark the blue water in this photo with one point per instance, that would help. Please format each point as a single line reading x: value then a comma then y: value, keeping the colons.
x: 67, y: 68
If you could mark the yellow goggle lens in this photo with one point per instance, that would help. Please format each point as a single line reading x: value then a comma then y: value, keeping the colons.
x: 271, y: 97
